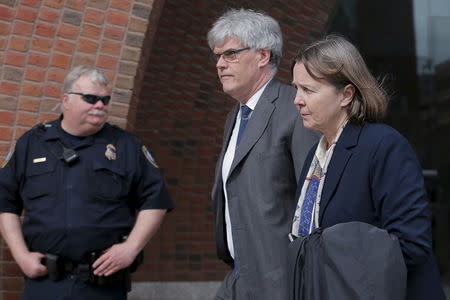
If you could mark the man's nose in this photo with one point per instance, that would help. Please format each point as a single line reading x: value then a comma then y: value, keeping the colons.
x: 99, y: 104
x: 221, y: 63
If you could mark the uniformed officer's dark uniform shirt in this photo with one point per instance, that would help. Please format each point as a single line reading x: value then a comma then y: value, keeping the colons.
x: 71, y: 210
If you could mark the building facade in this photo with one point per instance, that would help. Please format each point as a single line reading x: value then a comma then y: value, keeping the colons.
x: 165, y: 90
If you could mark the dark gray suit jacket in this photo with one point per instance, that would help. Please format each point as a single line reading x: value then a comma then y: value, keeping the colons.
x: 261, y: 189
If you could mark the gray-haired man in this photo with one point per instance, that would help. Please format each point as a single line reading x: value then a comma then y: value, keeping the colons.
x: 264, y: 146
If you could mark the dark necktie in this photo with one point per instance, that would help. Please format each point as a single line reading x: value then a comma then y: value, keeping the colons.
x: 245, y: 115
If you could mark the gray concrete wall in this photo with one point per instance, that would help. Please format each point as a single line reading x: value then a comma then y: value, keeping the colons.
x: 204, y: 290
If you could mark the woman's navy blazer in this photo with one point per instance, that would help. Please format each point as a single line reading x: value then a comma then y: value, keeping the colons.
x: 375, y: 177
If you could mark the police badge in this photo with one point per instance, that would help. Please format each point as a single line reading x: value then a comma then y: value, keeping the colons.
x: 110, y: 152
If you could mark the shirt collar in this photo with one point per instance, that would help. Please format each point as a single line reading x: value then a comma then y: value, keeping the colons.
x: 255, y: 98
x: 53, y: 131
x: 321, y: 151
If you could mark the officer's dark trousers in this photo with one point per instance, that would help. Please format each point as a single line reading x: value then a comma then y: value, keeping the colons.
x: 70, y: 288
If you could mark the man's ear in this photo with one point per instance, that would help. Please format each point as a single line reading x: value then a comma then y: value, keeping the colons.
x: 348, y: 93
x: 264, y: 57
x: 64, y: 101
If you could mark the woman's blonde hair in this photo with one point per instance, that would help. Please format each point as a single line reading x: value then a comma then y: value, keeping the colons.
x: 336, y: 60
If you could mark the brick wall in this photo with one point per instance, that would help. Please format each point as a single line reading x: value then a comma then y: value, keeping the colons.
x: 165, y: 90
x: 181, y: 118
x: 42, y: 39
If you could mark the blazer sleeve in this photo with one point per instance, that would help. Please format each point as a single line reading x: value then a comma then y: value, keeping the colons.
x: 399, y: 193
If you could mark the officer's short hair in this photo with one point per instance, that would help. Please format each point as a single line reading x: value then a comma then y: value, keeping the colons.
x: 94, y: 75
x: 256, y: 30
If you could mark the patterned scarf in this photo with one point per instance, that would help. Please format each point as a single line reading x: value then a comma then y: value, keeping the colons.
x: 306, y: 217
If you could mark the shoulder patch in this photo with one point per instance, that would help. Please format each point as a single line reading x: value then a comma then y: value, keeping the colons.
x: 9, y: 155
x: 149, y: 157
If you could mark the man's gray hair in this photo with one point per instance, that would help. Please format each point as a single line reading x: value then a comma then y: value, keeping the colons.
x: 94, y: 75
x: 256, y: 30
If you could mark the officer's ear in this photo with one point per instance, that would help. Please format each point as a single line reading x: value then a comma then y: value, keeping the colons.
x: 64, y: 100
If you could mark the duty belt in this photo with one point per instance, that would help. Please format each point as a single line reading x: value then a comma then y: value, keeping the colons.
x: 59, y: 267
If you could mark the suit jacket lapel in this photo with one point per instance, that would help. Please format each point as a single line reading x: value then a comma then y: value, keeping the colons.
x: 257, y: 123
x: 341, y: 156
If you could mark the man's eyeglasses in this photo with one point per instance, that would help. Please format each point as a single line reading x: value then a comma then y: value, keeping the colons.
x: 229, y: 55
x: 92, y: 99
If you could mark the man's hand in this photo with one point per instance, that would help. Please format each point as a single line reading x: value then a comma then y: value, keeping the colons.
x: 121, y: 255
x: 118, y: 257
x: 31, y: 265
x: 29, y: 262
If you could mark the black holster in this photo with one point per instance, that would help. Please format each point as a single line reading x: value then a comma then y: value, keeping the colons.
x: 54, y: 266
x: 120, y: 277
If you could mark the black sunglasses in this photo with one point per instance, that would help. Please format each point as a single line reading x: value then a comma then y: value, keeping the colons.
x: 92, y: 99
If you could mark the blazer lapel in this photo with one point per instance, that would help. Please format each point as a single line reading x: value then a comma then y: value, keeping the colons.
x: 341, y: 156
x: 257, y: 123
x: 304, y: 172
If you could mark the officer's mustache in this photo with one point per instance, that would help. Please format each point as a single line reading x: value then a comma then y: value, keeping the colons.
x: 97, y: 112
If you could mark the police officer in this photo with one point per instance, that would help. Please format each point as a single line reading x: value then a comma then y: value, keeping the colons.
x: 91, y: 194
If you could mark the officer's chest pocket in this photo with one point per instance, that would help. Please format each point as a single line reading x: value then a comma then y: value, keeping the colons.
x: 108, y: 181
x: 39, y: 180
